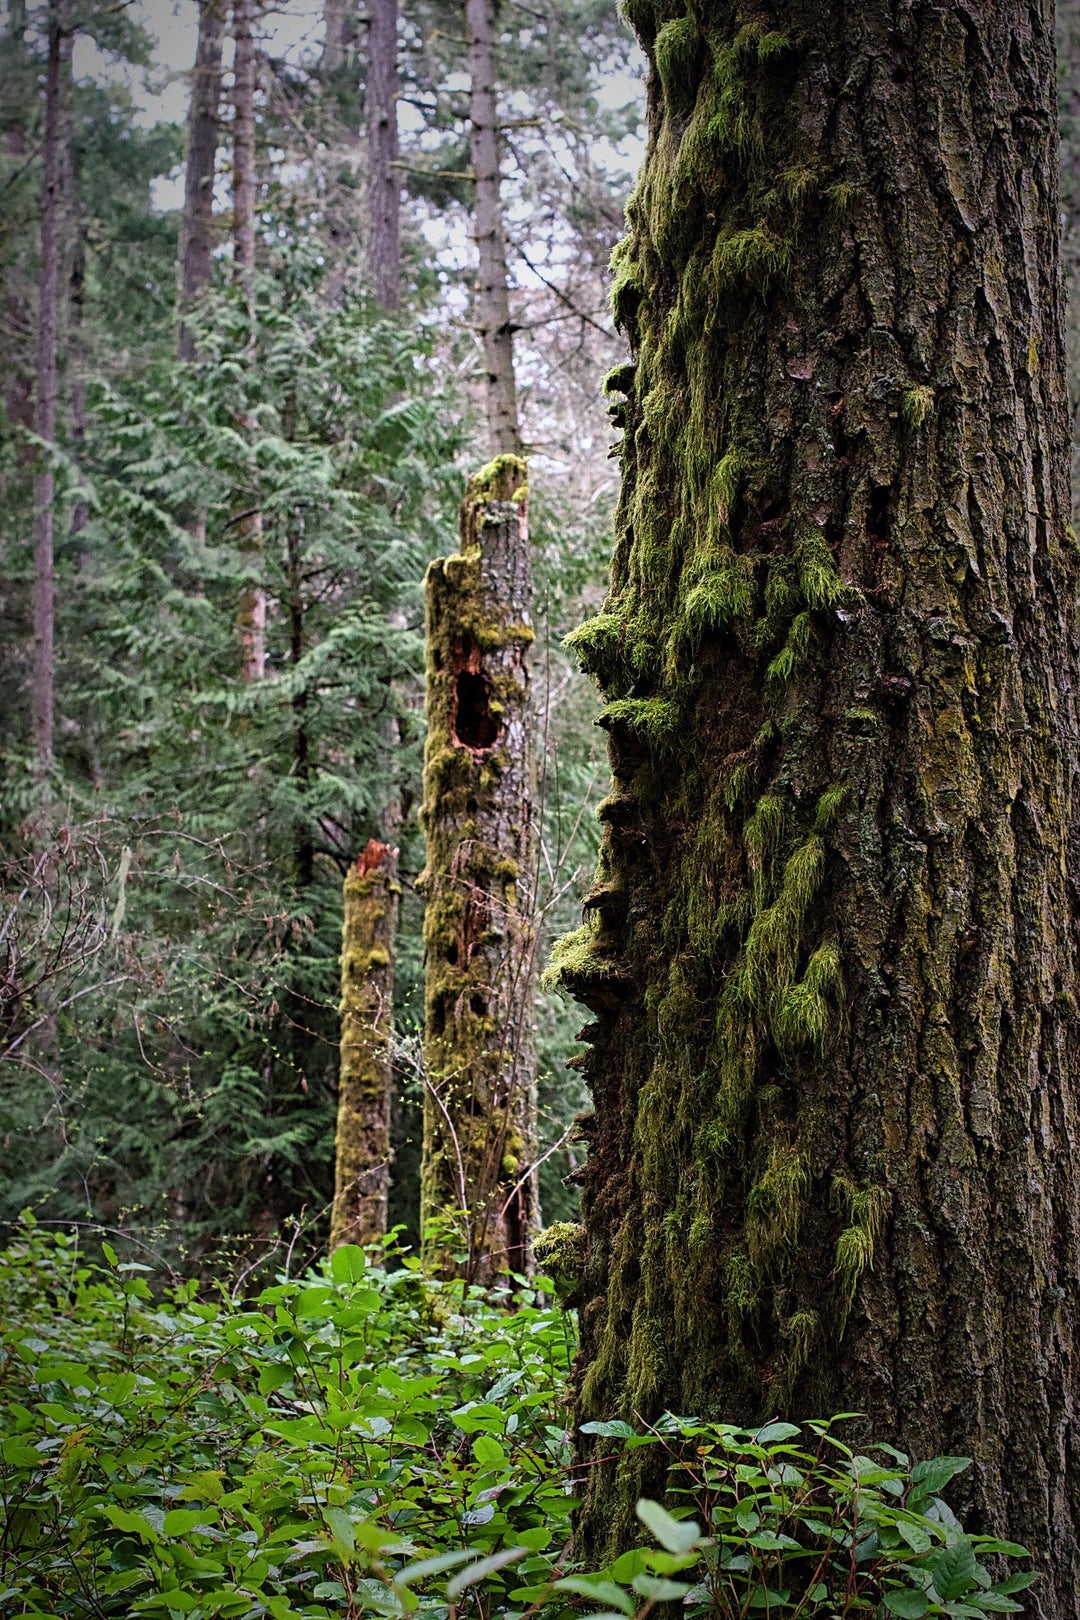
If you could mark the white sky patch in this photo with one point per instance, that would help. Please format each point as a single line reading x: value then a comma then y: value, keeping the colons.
x: 293, y: 32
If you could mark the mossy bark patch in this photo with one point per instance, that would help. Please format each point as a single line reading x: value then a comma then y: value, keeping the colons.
x: 831, y: 946
x: 362, y: 1152
x: 478, y: 1188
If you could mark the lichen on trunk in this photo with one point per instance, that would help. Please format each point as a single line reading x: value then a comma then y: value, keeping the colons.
x: 365, y: 1082
x: 830, y: 951
x: 477, y: 1184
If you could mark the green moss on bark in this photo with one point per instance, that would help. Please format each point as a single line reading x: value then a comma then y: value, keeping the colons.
x: 478, y: 1196
x: 838, y: 660
x: 365, y: 1076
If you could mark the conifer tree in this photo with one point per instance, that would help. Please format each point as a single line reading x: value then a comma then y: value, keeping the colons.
x: 831, y: 948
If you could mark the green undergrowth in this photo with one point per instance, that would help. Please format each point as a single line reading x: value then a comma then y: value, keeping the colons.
x: 785, y: 1520
x: 368, y: 1440
x: 356, y: 1440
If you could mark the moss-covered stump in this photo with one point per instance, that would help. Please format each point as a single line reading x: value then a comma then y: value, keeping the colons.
x: 362, y: 1154
x: 478, y: 1191
x: 831, y: 948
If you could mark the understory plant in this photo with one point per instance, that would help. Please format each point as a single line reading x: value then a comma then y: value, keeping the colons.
x: 364, y: 1439
x: 789, y: 1520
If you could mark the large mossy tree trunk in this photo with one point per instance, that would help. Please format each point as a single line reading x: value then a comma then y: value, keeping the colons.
x: 365, y: 1084
x: 479, y: 939
x: 831, y: 948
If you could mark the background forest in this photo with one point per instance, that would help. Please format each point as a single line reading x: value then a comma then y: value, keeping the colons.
x: 172, y: 872
x: 274, y: 284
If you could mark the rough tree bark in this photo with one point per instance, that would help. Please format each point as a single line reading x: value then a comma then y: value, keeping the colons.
x: 44, y: 589
x: 479, y: 788
x: 251, y: 609
x: 339, y: 33
x: 831, y: 948
x: 197, y: 220
x: 362, y: 1170
x: 492, y: 294
x: 16, y: 318
x: 74, y: 261
x: 384, y: 193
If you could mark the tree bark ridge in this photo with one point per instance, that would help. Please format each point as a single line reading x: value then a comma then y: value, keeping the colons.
x: 492, y: 289
x: 362, y: 1167
x: 831, y: 949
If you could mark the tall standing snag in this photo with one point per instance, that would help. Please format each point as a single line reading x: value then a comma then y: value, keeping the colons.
x: 831, y: 949
x: 479, y: 788
x: 362, y: 1158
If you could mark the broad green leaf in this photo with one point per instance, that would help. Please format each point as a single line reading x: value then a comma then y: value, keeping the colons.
x: 482, y: 1569
x: 424, y: 1567
x: 909, y: 1605
x: 20, y: 1455
x: 599, y: 1589
x: 612, y: 1429
x: 658, y: 1590
x: 133, y: 1524
x: 178, y: 1521
x: 953, y: 1571
x: 314, y: 1302
x: 1015, y: 1583
x: 677, y: 1535
x: 488, y: 1451
x: 535, y: 1540
x: 932, y: 1476
x: 772, y: 1433
x: 348, y: 1264
x: 918, y: 1539
x: 341, y: 1527
x: 629, y: 1564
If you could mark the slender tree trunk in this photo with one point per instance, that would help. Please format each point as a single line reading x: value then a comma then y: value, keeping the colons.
x: 479, y: 787
x: 197, y: 222
x: 305, y: 848
x: 44, y: 591
x: 251, y: 610
x: 492, y: 293
x: 17, y: 323
x: 75, y: 262
x: 339, y: 33
x: 362, y: 1172
x: 831, y: 950
x: 384, y: 195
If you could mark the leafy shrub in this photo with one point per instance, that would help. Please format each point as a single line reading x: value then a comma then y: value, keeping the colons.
x: 340, y: 1444
x: 782, y: 1529
x: 367, y: 1440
